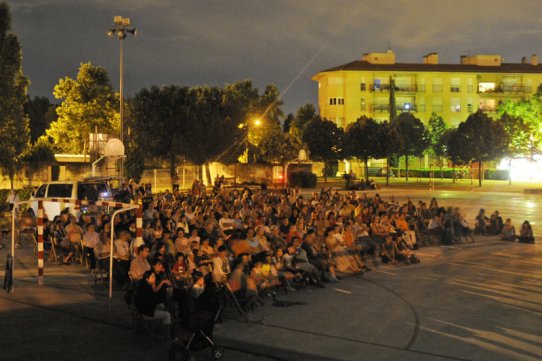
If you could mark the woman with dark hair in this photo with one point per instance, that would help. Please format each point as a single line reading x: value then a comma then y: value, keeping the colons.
x: 146, y: 301
x: 526, y: 233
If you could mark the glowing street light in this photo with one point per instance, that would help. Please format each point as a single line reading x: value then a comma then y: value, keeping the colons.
x: 256, y: 123
x: 121, y: 27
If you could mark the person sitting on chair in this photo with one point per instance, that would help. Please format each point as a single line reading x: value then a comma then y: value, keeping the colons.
x: 146, y: 302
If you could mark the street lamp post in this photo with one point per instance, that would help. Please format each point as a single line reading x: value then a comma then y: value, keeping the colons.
x: 121, y: 27
x: 257, y: 123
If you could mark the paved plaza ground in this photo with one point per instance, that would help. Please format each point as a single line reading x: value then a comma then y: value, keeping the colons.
x: 475, y: 301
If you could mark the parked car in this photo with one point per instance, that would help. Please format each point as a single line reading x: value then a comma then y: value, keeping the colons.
x: 92, y: 190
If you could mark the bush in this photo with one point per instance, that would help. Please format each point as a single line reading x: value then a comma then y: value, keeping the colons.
x: 302, y: 179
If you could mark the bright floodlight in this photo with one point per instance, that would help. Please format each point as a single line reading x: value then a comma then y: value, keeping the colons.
x: 257, y: 122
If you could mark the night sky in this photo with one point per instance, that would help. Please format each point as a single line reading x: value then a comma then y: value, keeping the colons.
x: 273, y: 41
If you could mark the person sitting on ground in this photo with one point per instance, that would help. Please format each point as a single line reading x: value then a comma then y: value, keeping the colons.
x: 526, y: 233
x: 481, y: 222
x: 146, y: 302
x: 388, y: 251
x: 495, y: 223
x: 508, y: 232
x: 409, y: 236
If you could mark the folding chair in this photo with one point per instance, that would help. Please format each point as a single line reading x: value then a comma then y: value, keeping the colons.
x: 101, y: 273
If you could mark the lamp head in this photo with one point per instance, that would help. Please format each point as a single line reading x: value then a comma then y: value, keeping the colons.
x: 132, y: 31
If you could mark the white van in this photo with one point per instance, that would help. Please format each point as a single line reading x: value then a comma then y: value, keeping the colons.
x: 91, y: 190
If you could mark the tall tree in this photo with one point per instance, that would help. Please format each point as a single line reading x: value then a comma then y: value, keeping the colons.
x: 278, y: 147
x: 415, y: 137
x: 325, y: 141
x: 212, y: 131
x: 14, y: 137
x: 393, y: 104
x: 390, y: 141
x: 517, y: 138
x: 436, y: 127
x: 160, y: 118
x: 88, y: 103
x: 363, y: 141
x: 454, y: 144
x: 483, y: 140
x: 41, y: 114
x: 303, y: 116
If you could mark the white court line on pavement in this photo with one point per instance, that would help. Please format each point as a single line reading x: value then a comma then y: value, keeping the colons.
x: 388, y: 273
x: 505, y: 255
x: 343, y: 291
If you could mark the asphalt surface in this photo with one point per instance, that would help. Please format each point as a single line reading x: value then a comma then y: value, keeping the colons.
x: 478, y: 301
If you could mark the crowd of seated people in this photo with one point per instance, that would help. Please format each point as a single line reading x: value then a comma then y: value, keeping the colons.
x: 254, y: 243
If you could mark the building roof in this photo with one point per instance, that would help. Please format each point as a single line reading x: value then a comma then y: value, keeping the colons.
x: 419, y: 67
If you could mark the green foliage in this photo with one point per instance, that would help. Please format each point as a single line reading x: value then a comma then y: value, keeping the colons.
x: 484, y: 139
x: 42, y: 150
x: 436, y: 127
x: 479, y: 139
x: 41, y: 113
x: 393, y: 104
x: 528, y: 109
x: 135, y: 162
x: 88, y: 102
x: 517, y: 135
x: 363, y: 141
x: 278, y: 147
x: 14, y: 136
x: 302, y: 179
x: 160, y: 118
x: 414, y: 134
x: 304, y: 115
x: 324, y: 139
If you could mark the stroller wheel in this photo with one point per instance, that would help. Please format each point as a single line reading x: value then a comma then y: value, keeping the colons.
x: 218, y: 352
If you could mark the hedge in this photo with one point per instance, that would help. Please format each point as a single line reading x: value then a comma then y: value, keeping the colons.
x: 302, y: 179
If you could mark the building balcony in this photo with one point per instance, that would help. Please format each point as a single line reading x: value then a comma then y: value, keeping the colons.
x: 376, y: 87
x: 380, y: 108
x: 505, y: 89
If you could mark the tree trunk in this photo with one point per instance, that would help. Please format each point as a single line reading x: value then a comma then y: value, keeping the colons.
x: 387, y: 170
x: 479, y: 173
x: 283, y: 176
x: 208, y: 173
x: 440, y: 164
x: 325, y: 172
x: 453, y: 172
x: 510, y: 171
x: 366, y: 169
x: 11, y: 180
x: 406, y: 168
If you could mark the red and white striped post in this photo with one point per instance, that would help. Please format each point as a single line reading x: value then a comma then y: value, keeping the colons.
x: 139, y: 225
x: 40, y: 243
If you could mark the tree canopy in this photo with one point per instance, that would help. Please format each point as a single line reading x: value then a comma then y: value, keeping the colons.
x: 363, y: 141
x: 324, y: 140
x: 88, y: 102
x: 14, y: 137
x: 482, y: 139
x: 415, y: 137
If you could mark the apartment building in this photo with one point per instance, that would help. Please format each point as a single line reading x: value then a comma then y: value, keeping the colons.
x: 453, y: 91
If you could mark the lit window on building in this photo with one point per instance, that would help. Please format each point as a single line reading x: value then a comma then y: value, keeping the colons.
x: 486, y: 87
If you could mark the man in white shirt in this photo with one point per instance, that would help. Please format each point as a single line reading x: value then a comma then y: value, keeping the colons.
x: 226, y: 224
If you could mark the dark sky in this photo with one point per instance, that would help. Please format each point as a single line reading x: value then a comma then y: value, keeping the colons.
x: 193, y: 42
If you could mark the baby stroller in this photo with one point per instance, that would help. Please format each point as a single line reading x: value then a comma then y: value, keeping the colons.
x: 197, y: 320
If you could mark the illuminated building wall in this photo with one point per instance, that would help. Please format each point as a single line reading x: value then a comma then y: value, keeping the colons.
x: 452, y: 91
